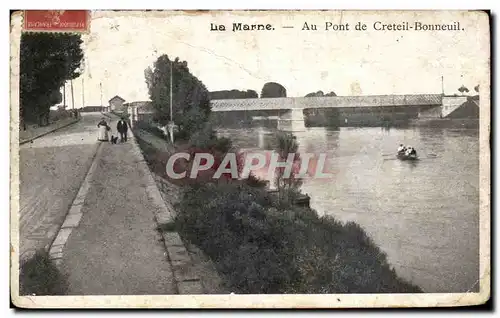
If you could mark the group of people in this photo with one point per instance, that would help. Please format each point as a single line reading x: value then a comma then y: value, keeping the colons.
x: 406, y: 150
x: 104, y: 129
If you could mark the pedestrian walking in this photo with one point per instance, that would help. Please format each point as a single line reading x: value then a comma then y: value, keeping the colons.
x: 122, y: 128
x: 103, y: 130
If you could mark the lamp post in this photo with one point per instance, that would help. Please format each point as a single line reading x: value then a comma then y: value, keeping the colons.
x: 171, y: 122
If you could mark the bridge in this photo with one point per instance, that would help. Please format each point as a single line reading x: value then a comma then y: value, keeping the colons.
x: 293, y: 113
x: 326, y: 102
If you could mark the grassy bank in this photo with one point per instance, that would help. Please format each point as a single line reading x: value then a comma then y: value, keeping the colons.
x: 262, y: 246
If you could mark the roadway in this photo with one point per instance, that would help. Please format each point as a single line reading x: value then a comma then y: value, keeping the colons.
x: 51, y: 170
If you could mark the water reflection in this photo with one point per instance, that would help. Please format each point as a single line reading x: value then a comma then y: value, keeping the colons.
x: 424, y: 214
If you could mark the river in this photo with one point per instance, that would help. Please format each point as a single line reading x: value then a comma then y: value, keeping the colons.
x: 424, y: 215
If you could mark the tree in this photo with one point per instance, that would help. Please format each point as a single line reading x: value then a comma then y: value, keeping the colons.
x: 47, y: 61
x: 252, y: 94
x: 476, y: 88
x: 462, y: 89
x: 190, y: 100
x: 273, y: 90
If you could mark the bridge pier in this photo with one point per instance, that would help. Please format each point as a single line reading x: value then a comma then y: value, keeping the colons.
x: 292, y: 120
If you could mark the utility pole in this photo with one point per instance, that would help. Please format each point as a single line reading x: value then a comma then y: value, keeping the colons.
x: 442, y: 85
x: 72, y: 96
x: 171, y: 124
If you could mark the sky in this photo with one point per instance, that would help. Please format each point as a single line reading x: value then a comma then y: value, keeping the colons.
x: 120, y: 45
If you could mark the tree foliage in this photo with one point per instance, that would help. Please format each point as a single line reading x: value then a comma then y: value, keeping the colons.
x: 321, y: 94
x: 190, y: 99
x: 273, y: 90
x: 462, y: 89
x: 48, y: 60
x: 234, y: 94
x: 476, y: 88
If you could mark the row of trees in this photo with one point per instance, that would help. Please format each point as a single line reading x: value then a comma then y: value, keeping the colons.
x: 47, y: 61
x: 274, y: 90
x: 269, y: 90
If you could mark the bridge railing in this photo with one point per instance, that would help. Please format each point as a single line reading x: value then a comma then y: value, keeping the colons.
x: 326, y: 102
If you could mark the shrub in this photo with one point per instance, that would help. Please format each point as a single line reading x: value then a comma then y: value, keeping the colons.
x: 39, y: 276
x: 261, y: 247
x: 151, y: 129
x: 55, y: 115
x: 206, y: 139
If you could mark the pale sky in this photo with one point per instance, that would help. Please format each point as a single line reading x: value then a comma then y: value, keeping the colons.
x: 380, y: 62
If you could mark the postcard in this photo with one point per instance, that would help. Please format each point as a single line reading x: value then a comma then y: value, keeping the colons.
x: 249, y: 159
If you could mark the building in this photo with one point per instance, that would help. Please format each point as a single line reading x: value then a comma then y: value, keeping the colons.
x: 116, y: 104
x: 140, y: 111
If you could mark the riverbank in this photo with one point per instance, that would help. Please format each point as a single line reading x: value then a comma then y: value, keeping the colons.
x: 259, y: 246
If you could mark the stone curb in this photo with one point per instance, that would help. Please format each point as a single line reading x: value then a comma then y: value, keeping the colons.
x: 48, y: 132
x: 74, y: 215
x: 187, y: 280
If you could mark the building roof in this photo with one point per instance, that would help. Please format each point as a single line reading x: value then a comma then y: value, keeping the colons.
x: 115, y: 98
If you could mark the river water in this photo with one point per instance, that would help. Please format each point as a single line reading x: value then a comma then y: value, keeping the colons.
x: 424, y: 215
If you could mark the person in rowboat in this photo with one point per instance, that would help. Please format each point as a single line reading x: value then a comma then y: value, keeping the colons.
x: 410, y: 151
x: 401, y: 149
x: 413, y: 152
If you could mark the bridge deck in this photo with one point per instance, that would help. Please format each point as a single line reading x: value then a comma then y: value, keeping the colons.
x: 326, y: 102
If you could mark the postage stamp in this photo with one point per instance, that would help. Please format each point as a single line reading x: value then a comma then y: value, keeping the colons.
x: 56, y: 20
x: 250, y: 159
